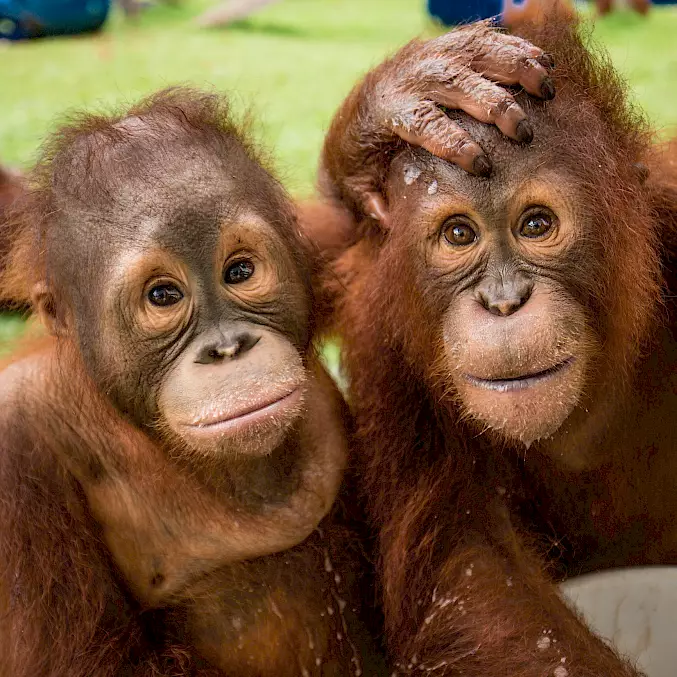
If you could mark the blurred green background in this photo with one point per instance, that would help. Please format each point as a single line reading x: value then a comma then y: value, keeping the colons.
x: 291, y: 65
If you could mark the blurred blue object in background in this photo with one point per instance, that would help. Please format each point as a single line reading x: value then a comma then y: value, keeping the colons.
x: 21, y: 19
x: 452, y: 12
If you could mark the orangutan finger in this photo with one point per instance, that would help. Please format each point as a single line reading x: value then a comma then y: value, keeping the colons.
x: 509, y: 67
x: 430, y: 128
x: 486, y: 102
x: 523, y: 48
x: 481, y: 38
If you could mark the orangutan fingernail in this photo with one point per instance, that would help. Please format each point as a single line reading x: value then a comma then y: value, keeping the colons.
x: 482, y: 166
x: 524, y: 132
x: 547, y: 89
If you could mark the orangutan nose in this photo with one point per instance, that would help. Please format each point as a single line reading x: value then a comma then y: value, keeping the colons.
x: 229, y: 346
x: 505, y: 295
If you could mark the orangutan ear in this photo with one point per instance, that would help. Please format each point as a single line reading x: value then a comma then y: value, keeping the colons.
x: 44, y: 304
x: 376, y: 208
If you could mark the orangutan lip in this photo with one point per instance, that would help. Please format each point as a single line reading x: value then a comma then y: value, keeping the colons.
x: 246, y: 416
x: 520, y: 382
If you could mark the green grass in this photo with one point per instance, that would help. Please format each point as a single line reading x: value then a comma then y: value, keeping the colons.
x: 291, y: 64
x: 12, y: 324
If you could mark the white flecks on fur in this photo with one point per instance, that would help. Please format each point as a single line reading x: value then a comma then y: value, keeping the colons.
x: 437, y: 666
x: 432, y: 188
x: 543, y: 643
x: 560, y: 671
x: 411, y: 173
x: 327, y: 562
x: 355, y: 659
x: 275, y: 610
x: 508, y: 581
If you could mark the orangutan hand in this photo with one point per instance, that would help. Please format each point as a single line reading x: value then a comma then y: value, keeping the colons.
x: 406, y: 97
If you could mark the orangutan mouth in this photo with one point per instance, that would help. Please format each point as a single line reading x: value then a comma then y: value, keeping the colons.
x: 504, y: 385
x: 257, y: 413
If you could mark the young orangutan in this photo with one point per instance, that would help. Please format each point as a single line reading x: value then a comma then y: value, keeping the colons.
x: 166, y: 457
x: 512, y: 370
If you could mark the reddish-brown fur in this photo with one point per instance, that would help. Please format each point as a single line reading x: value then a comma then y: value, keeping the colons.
x: 67, y: 613
x: 533, y: 11
x: 11, y: 188
x: 474, y: 529
x: 84, y: 491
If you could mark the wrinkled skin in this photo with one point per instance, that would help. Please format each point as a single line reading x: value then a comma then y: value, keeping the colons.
x: 516, y: 337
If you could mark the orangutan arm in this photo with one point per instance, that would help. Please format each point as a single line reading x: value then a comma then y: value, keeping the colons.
x: 489, y: 609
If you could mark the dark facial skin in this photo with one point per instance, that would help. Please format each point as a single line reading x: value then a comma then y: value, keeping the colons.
x: 497, y: 257
x: 185, y: 297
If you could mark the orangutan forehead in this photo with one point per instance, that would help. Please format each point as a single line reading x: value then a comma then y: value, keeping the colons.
x: 417, y: 171
x: 164, y: 190
x: 140, y: 160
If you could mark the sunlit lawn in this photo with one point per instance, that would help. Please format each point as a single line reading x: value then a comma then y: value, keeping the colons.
x: 291, y: 64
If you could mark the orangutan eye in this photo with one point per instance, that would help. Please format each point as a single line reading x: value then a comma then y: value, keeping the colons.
x: 537, y: 225
x: 238, y: 272
x: 458, y: 233
x: 164, y: 295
